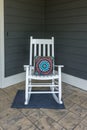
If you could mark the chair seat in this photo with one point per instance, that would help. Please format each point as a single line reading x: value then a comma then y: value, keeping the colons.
x: 44, y: 77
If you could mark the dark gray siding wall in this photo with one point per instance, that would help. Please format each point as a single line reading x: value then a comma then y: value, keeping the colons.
x: 22, y: 19
x: 67, y: 21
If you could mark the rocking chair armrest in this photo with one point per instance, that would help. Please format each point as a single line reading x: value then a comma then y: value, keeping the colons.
x: 59, y: 66
x: 57, y: 69
x: 28, y: 66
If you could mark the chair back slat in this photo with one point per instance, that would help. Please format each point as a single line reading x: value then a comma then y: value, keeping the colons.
x: 44, y: 50
x: 53, y: 46
x: 48, y: 48
x: 41, y: 47
x: 35, y: 50
x: 31, y: 49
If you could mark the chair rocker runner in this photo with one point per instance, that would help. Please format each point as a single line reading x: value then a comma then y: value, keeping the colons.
x: 42, y: 68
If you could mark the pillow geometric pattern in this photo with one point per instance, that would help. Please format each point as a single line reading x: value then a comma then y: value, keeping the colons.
x: 43, y: 65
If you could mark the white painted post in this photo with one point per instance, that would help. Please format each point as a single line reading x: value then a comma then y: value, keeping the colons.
x: 2, y: 60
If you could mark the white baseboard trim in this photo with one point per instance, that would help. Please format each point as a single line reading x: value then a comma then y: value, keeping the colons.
x: 72, y: 80
x: 75, y: 81
x: 11, y: 80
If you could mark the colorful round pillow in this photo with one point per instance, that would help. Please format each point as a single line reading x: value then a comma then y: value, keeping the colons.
x: 43, y: 65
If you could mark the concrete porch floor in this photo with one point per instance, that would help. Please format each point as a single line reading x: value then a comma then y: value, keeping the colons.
x: 74, y: 117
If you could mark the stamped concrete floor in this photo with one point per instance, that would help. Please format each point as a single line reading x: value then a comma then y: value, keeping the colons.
x: 74, y: 117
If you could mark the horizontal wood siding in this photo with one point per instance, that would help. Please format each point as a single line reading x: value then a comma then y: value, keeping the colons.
x: 22, y: 19
x: 66, y: 20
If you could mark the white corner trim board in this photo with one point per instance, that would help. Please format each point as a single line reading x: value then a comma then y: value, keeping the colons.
x: 75, y: 81
x: 10, y: 80
x: 1, y: 41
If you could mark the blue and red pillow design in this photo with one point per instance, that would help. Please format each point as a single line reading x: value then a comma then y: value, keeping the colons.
x: 43, y: 65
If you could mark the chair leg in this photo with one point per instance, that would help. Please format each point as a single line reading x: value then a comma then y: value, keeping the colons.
x: 60, y: 87
x: 60, y: 95
x: 26, y: 93
x: 26, y: 87
x: 55, y: 96
x: 29, y: 91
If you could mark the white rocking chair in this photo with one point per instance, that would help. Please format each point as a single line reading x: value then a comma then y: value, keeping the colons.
x: 44, y: 48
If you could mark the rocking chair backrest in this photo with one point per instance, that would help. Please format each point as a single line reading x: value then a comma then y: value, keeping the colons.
x: 41, y: 47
